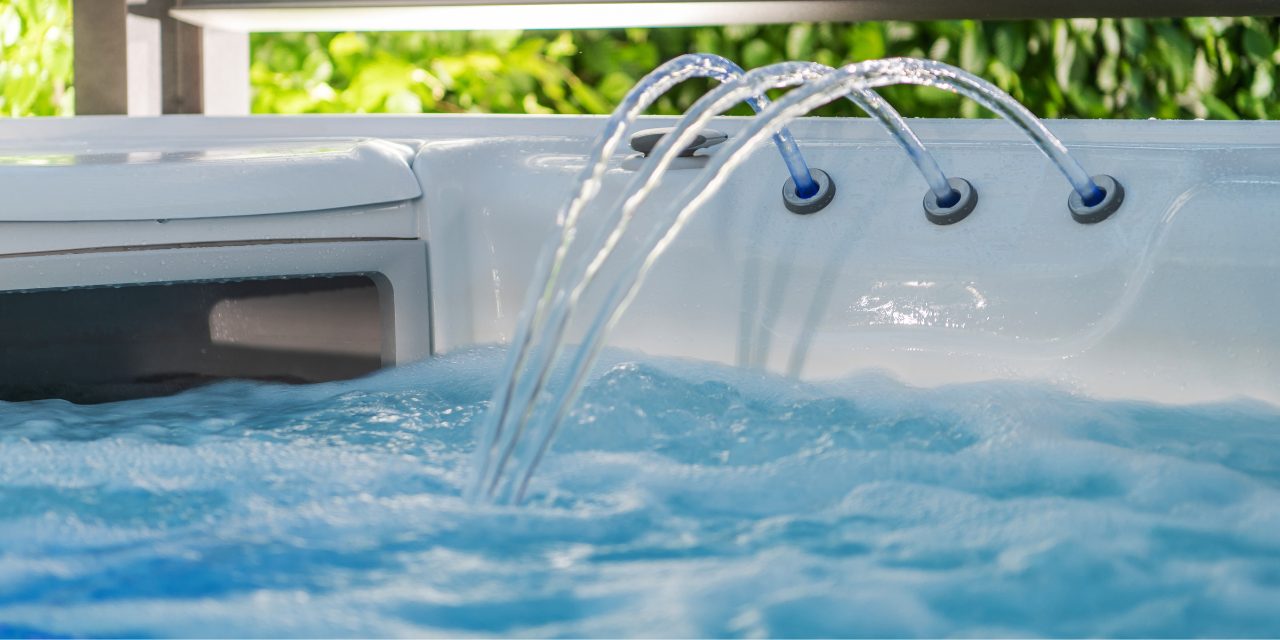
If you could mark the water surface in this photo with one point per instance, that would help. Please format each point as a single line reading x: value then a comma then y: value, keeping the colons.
x: 682, y: 499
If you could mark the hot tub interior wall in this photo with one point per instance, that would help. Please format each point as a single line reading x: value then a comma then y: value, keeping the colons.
x: 104, y: 344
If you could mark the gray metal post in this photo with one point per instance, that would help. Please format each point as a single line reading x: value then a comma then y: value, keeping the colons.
x: 101, y: 58
x: 181, y: 53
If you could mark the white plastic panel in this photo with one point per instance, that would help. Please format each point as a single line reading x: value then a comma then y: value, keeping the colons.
x: 398, y: 266
x: 151, y: 179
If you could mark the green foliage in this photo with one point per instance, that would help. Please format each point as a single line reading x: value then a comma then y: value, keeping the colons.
x: 497, y: 72
x: 35, y: 58
x: 1092, y: 68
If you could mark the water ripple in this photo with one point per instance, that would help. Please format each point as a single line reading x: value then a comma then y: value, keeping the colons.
x: 681, y: 500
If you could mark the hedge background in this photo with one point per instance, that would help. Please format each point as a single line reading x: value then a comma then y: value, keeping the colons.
x: 1193, y: 68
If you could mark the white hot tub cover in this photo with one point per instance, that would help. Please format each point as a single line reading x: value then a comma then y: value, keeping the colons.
x: 235, y: 178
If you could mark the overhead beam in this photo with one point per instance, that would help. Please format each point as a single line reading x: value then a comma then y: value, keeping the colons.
x: 101, y: 37
x: 403, y: 15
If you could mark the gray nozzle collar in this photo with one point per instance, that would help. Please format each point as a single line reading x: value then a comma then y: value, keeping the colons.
x: 963, y: 206
x: 1097, y: 213
x: 813, y: 204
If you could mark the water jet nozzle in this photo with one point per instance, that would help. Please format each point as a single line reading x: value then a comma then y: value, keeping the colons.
x: 1101, y: 208
x: 815, y: 202
x: 964, y: 199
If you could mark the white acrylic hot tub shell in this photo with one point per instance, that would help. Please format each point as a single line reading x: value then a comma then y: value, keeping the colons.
x: 1173, y: 299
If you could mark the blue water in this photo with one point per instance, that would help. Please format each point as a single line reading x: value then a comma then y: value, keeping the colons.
x: 681, y: 499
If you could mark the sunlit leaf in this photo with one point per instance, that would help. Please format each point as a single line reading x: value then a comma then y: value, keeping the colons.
x: 1010, y: 48
x: 347, y: 45
x: 403, y: 101
x: 800, y: 40
x: 1257, y: 42
x: 1219, y: 109
x: 865, y: 42
x: 757, y: 53
x: 1263, y: 82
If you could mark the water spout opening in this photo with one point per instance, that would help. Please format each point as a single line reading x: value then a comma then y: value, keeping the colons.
x: 1096, y: 196
x: 824, y: 192
x: 1109, y: 195
x: 950, y: 200
x: 955, y: 209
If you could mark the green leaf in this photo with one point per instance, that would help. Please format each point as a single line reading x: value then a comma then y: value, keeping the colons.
x: 1064, y: 53
x: 738, y: 32
x: 562, y: 46
x: 1136, y: 37
x: 1263, y: 83
x: 865, y: 42
x: 317, y: 67
x: 757, y: 53
x: 800, y: 41
x: 1257, y: 43
x: 403, y: 101
x: 1219, y: 109
x: 348, y: 45
x: 1178, y: 52
x: 615, y: 86
x: 1110, y: 34
x: 973, y: 48
x: 707, y: 41
x: 1010, y: 47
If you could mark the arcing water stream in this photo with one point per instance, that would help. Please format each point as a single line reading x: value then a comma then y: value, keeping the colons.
x: 550, y: 269
x: 527, y: 399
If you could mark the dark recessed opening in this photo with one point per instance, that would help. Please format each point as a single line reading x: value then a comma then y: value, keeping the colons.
x: 107, y: 344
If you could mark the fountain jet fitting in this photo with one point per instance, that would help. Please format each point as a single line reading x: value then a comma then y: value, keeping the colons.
x: 1094, y: 198
x: 940, y: 186
x: 956, y: 209
x: 795, y: 203
x: 1102, y: 206
x: 942, y: 189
